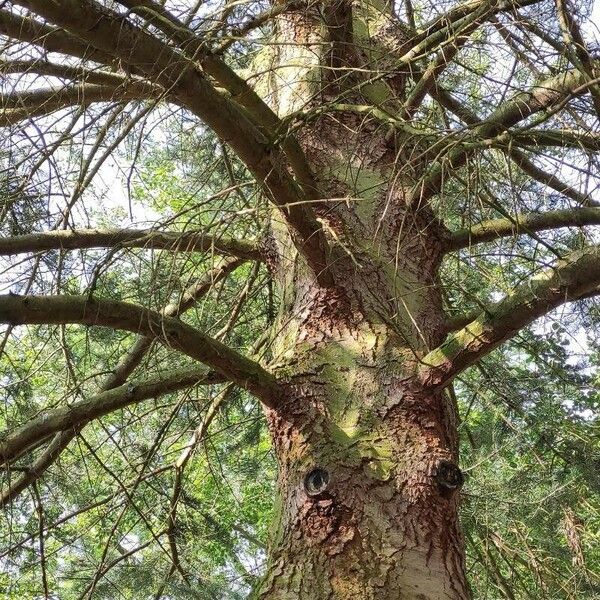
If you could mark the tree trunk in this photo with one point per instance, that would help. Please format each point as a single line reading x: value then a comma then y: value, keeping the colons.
x: 368, y: 484
x: 368, y: 481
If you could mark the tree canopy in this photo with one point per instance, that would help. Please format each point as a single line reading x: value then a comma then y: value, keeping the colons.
x: 152, y: 151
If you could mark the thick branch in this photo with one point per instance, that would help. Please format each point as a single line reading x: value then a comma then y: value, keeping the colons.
x: 50, y: 38
x: 522, y: 224
x: 196, y: 48
x: 16, y: 310
x: 562, y: 138
x: 68, y: 417
x: 186, y: 241
x: 50, y: 69
x: 17, y: 106
x: 456, y: 322
x: 578, y: 274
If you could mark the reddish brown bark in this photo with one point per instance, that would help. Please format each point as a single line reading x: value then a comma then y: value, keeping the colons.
x: 369, y: 482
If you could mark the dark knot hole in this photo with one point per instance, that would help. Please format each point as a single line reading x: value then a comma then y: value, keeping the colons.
x: 449, y: 476
x: 316, y: 482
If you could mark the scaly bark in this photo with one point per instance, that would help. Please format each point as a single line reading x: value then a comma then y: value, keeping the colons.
x: 369, y: 479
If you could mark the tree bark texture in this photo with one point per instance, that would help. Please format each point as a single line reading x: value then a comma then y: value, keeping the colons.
x: 368, y: 481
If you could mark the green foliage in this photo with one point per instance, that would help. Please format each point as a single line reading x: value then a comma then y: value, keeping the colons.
x: 530, y: 446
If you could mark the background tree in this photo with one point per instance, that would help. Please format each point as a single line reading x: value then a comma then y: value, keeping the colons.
x: 253, y: 247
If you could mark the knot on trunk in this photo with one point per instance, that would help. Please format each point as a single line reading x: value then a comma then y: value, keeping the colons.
x: 319, y: 516
x: 316, y: 482
x: 448, y: 476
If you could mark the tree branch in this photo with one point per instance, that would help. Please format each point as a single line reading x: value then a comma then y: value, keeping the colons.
x: 581, y: 58
x: 133, y: 358
x: 562, y: 138
x: 537, y: 174
x: 51, y: 39
x: 456, y: 322
x: 522, y: 224
x: 84, y: 310
x: 571, y: 278
x: 196, y: 48
x: 145, y: 54
x: 41, y: 463
x: 444, y: 27
x: 519, y: 158
x: 522, y: 106
x: 469, y: 7
x: 260, y: 19
x: 433, y: 72
x: 76, y: 415
x: 77, y: 239
x: 117, y: 378
x: 17, y: 106
x: 50, y: 69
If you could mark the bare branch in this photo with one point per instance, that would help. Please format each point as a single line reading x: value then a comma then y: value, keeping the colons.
x: 469, y: 7
x: 136, y: 353
x: 74, y: 416
x: 77, y: 239
x: 260, y: 19
x: 84, y: 310
x: 433, y: 71
x: 39, y: 465
x: 522, y: 224
x: 571, y: 278
x: 522, y: 106
x: 581, y: 57
x: 549, y: 179
x: 444, y: 27
x: 520, y: 158
x: 180, y: 464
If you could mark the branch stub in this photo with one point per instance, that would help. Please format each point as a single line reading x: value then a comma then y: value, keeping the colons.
x: 449, y: 476
x: 316, y: 482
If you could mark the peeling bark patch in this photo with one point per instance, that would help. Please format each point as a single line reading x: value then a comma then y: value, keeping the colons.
x: 319, y: 520
x: 449, y: 477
